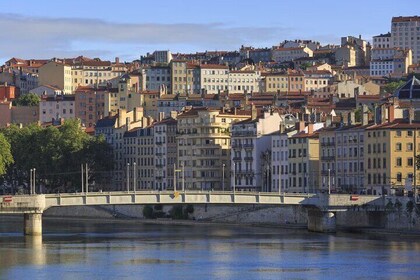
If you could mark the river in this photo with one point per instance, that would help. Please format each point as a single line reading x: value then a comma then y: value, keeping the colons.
x: 115, y: 249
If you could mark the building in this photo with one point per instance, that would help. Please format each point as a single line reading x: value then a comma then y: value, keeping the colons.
x: 304, y: 160
x: 390, y: 162
x: 90, y: 105
x: 158, y: 76
x: 162, y: 56
x: 56, y: 107
x: 275, y: 82
x: 251, y: 153
x: 113, y: 128
x: 58, y: 74
x: 405, y: 32
x: 213, y: 78
x: 46, y: 90
x: 17, y: 114
x: 204, y: 147
x: 183, y: 78
x: 317, y: 79
x: 165, y: 152
x: 244, y: 81
x: 281, y: 54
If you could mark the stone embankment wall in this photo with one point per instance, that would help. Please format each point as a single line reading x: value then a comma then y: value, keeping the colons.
x: 399, y: 215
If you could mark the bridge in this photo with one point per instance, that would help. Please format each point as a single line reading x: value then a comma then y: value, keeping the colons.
x: 321, y: 207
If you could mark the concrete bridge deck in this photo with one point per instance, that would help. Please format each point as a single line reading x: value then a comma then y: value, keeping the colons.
x: 322, y: 204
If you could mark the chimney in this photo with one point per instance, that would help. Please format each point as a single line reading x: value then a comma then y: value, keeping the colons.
x: 127, y: 123
x: 377, y: 115
x: 411, y: 114
x: 117, y: 60
x: 365, y: 116
x: 328, y: 121
x: 383, y: 113
x: 351, y: 118
x: 174, y: 114
x: 254, y: 112
x: 300, y: 126
x: 161, y: 116
x: 282, y: 127
x: 135, y: 115
x: 310, y: 128
x: 391, y: 113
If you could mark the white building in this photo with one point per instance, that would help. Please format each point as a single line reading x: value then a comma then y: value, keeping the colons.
x: 405, y: 34
x: 244, y: 81
x: 56, y: 107
x: 290, y: 54
x: 251, y: 151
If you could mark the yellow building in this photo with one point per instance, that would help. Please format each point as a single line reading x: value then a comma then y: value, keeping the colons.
x: 304, y: 160
x: 56, y: 73
x: 391, y: 148
x: 182, y: 73
x: 204, y: 146
x: 275, y: 82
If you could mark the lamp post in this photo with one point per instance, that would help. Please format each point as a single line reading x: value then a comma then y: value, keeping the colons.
x: 33, y: 181
x: 128, y: 176
x: 329, y: 181
x: 30, y: 181
x: 223, y: 177
x: 183, y: 177
x: 134, y: 177
x: 234, y: 177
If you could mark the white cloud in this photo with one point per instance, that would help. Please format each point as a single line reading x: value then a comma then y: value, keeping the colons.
x: 48, y: 37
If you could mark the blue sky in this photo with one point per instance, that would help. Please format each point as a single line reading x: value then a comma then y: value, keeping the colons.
x: 130, y: 28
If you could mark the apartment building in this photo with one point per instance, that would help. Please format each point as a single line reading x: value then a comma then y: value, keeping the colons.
x: 244, y: 81
x: 57, y: 107
x: 158, y: 76
x: 204, y: 146
x: 280, y: 54
x: 317, y: 80
x: 275, y: 82
x: 56, y: 73
x: 251, y: 153
x: 90, y: 105
x: 296, y: 81
x: 304, y: 160
x: 165, y: 151
x: 213, y: 78
x: 183, y: 79
x: 113, y: 128
x: 392, y: 148
x: 405, y: 34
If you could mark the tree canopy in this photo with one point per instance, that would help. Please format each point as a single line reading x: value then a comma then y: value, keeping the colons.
x: 29, y: 99
x: 6, y: 158
x: 393, y: 86
x: 57, y: 154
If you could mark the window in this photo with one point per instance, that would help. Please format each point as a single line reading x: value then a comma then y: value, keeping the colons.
x: 398, y: 161
x: 398, y: 133
x: 410, y: 133
x: 399, y: 177
x: 410, y: 161
x: 398, y: 147
x: 409, y: 146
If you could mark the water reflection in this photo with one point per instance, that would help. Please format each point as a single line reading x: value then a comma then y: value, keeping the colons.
x: 79, y: 249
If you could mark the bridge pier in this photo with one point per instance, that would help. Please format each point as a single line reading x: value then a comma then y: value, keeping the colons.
x: 32, y: 224
x: 321, y: 221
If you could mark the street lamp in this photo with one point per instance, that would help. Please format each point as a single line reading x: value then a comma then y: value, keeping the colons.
x: 223, y: 177
x: 234, y: 177
x: 128, y: 176
x: 183, y: 177
x: 134, y: 176
x: 329, y: 181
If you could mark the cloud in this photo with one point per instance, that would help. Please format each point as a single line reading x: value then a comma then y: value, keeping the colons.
x: 48, y: 37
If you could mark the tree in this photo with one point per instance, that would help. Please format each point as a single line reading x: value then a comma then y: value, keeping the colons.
x: 393, y: 86
x: 305, y: 65
x: 29, y: 99
x: 6, y: 157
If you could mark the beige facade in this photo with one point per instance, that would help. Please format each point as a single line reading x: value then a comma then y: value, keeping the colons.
x: 182, y: 75
x: 304, y: 161
x: 57, y: 74
x: 213, y: 78
x: 405, y: 35
x: 204, y: 146
x: 275, y: 82
x: 290, y: 54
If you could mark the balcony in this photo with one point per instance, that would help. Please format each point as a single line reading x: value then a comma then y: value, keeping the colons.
x: 159, y: 165
x: 327, y: 144
x: 248, y: 146
x: 243, y: 133
x: 159, y: 178
x: 236, y: 146
x: 328, y: 158
x: 325, y: 172
x: 248, y: 158
x: 159, y: 154
x: 237, y: 158
x: 159, y: 143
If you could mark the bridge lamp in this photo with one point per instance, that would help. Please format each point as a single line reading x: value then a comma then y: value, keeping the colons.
x: 223, y: 177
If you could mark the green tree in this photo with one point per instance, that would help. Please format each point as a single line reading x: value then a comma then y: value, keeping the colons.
x: 29, y: 99
x: 305, y: 65
x: 6, y: 157
x: 393, y: 86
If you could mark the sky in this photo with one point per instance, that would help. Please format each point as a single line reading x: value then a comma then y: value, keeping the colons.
x: 131, y: 28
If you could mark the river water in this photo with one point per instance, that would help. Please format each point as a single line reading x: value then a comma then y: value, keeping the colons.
x: 108, y: 249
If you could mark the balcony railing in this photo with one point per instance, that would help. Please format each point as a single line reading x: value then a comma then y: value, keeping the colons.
x: 236, y: 146
x: 249, y: 146
x: 159, y: 165
x: 248, y: 158
x: 326, y: 144
x: 328, y: 158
